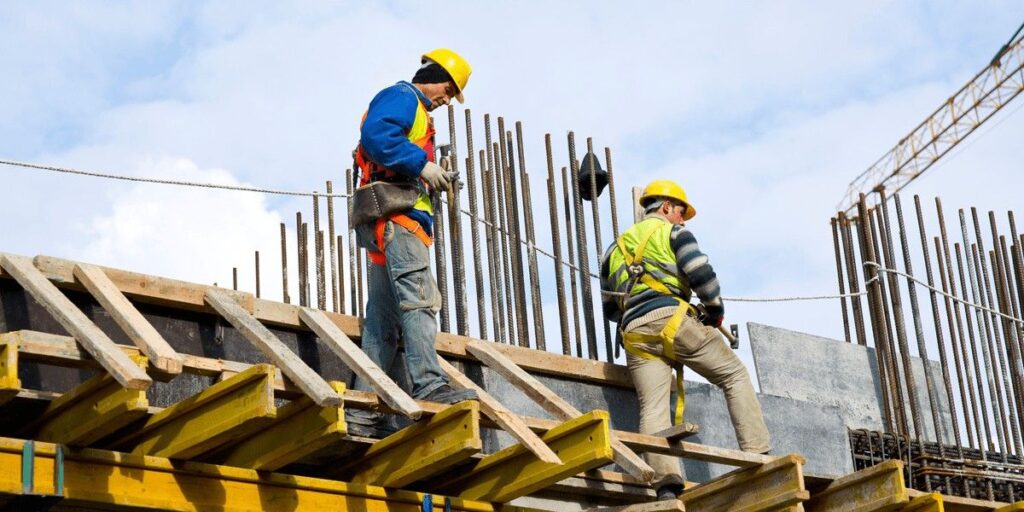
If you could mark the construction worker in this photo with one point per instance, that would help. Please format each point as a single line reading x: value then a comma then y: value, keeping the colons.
x: 648, y: 276
x: 397, y: 146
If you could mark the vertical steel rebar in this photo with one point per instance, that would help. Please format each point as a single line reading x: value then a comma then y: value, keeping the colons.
x: 851, y: 271
x: 474, y: 229
x: 496, y: 248
x: 962, y: 378
x: 341, y: 274
x: 572, y: 262
x: 1008, y: 306
x: 257, y: 274
x: 301, y: 264
x: 284, y: 265
x: 531, y: 248
x: 515, y: 234
x: 333, y: 247
x: 889, y: 341
x: 234, y: 278
x: 556, y: 244
x: 581, y: 246
x: 615, y: 212
x: 318, y: 248
x: 839, y: 276
x: 493, y: 253
x: 977, y: 359
x: 598, y: 244
x: 353, y: 247
x: 999, y: 406
x: 507, y: 248
x: 455, y: 232
x: 441, y: 260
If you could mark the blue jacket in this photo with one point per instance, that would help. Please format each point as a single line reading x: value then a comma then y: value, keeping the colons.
x: 383, y: 135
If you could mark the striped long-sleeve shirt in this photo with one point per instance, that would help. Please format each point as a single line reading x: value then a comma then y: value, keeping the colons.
x: 692, y: 267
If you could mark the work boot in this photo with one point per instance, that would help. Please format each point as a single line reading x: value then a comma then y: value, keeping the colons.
x: 374, y: 427
x: 669, y: 492
x: 445, y: 394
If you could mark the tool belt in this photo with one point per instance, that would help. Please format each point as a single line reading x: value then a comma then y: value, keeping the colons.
x: 666, y: 337
x: 381, y: 199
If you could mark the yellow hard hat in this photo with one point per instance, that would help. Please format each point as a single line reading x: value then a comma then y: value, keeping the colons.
x: 671, y: 190
x: 457, y: 67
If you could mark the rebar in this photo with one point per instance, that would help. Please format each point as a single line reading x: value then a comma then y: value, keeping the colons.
x: 318, y: 247
x: 572, y: 262
x: 493, y: 254
x: 531, y: 241
x: 974, y: 352
x: 615, y: 212
x: 301, y: 263
x: 441, y: 260
x: 305, y: 264
x: 581, y: 246
x: 474, y: 231
x: 892, y: 357
x: 353, y: 250
x: 341, y: 274
x: 962, y: 382
x: 839, y: 277
x: 556, y: 244
x: 515, y: 233
x: 512, y: 337
x: 1007, y: 307
x: 455, y: 233
x: 335, y: 306
x: 851, y: 272
x: 498, y: 252
x: 599, y: 246
x: 284, y: 265
x: 998, y: 405
x: 234, y: 278
x: 257, y: 274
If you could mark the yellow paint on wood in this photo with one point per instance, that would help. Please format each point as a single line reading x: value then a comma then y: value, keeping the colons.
x: 301, y: 428
x: 775, y: 486
x: 423, y: 449
x: 583, y: 443
x: 879, y: 487
x: 927, y: 503
x: 216, y: 416
x: 92, y: 410
x: 1012, y: 508
x: 9, y: 383
x: 107, y: 480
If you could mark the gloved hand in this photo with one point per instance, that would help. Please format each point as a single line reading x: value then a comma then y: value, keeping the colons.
x: 436, y: 177
x: 714, y: 315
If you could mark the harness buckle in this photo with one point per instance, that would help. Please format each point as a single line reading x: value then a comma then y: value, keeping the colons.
x: 637, y: 270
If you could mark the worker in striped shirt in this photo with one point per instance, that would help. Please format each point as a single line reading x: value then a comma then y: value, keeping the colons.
x: 647, y: 279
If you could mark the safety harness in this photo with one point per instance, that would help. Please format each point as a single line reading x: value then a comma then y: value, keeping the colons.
x: 639, y: 273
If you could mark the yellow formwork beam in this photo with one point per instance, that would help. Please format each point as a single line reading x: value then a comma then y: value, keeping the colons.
x: 119, y: 481
x: 301, y: 428
x: 216, y: 416
x: 774, y: 486
x: 583, y: 443
x: 877, y: 488
x: 1012, y: 508
x: 926, y: 503
x: 92, y: 410
x: 423, y: 449
x: 9, y: 383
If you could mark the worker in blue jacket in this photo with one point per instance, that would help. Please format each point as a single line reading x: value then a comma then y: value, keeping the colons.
x: 397, y: 145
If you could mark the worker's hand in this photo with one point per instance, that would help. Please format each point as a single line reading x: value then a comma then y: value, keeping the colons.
x: 715, y: 315
x: 436, y: 177
x: 446, y: 163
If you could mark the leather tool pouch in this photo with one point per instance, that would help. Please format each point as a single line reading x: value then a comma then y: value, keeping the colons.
x: 381, y: 199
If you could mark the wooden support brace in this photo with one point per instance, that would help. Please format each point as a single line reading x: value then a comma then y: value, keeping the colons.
x: 677, y: 432
x: 75, y: 322
x: 582, y: 443
x: 291, y: 365
x: 216, y: 416
x: 654, y: 506
x: 422, y: 449
x: 91, y: 411
x: 101, y: 479
x: 360, y: 363
x: 1012, y: 508
x: 554, y: 404
x: 164, y: 359
x: 877, y: 488
x: 777, y: 485
x: 928, y: 503
x: 301, y: 428
x: 498, y: 413
x: 9, y: 382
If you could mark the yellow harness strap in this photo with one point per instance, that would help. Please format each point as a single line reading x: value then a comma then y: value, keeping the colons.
x: 667, y: 338
x: 637, y: 259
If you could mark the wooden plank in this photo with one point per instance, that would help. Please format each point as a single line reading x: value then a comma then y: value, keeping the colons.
x: 958, y: 504
x: 138, y: 329
x: 216, y: 416
x: 582, y: 443
x: 423, y: 449
x: 360, y: 363
x: 290, y: 364
x: 1012, y: 508
x: 777, y: 485
x: 598, y: 483
x: 928, y: 503
x: 654, y: 506
x: 301, y: 429
x: 551, y: 402
x: 501, y: 415
x: 91, y: 411
x: 76, y: 323
x: 878, y: 488
x: 109, y: 480
x: 9, y: 382
x: 677, y: 432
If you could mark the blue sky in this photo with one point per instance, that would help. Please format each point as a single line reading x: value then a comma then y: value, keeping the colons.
x: 764, y: 112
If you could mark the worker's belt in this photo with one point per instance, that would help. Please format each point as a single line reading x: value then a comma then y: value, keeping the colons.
x: 380, y: 199
x: 377, y: 257
x: 667, y: 338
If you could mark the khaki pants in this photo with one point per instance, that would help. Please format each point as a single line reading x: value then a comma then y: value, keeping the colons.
x: 704, y: 350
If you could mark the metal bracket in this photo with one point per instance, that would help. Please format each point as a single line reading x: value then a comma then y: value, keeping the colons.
x: 30, y: 501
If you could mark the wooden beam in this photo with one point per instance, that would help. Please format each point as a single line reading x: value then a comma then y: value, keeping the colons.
x: 301, y: 428
x: 9, y: 382
x: 1012, y: 508
x: 598, y: 483
x: 115, y: 481
x: 958, y: 504
x: 582, y: 443
x: 139, y: 330
x: 931, y: 502
x: 551, y: 402
x: 677, y: 432
x: 91, y: 411
x: 360, y: 363
x: 777, y: 485
x: 654, y: 506
x: 501, y: 415
x: 290, y: 364
x: 75, y: 322
x: 879, y: 487
x: 219, y: 415
x: 423, y: 449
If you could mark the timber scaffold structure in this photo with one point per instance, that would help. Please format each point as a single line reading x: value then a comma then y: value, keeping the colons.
x: 124, y: 391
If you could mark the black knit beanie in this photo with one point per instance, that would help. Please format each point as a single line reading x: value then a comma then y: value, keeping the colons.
x: 431, y: 73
